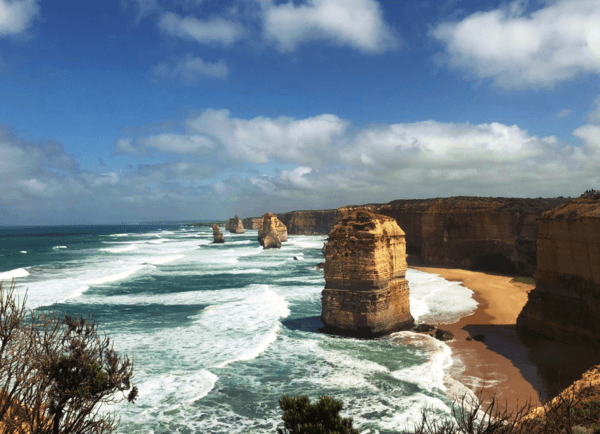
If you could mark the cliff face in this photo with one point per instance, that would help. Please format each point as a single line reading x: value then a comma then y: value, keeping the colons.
x: 366, y: 294
x: 235, y: 225
x: 308, y: 222
x: 489, y: 234
x: 272, y: 232
x: 565, y: 304
x: 252, y: 222
x: 217, y: 235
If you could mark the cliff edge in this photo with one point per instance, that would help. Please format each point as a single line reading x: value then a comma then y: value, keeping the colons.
x: 565, y: 304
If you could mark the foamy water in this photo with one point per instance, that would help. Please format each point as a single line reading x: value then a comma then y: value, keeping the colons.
x: 220, y: 332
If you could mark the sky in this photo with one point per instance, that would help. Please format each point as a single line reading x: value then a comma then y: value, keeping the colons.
x: 135, y: 110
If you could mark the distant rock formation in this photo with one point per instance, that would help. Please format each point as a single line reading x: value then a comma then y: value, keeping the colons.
x: 218, y: 236
x: 316, y: 222
x: 565, y: 304
x: 272, y: 232
x: 366, y: 294
x: 252, y: 222
x: 235, y: 225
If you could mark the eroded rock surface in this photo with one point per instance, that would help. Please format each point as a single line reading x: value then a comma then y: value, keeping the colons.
x: 565, y: 304
x: 272, y: 232
x: 252, y: 222
x: 235, y: 225
x: 217, y: 235
x: 366, y: 294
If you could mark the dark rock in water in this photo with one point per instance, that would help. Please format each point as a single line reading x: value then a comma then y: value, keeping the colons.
x: 295, y: 259
x: 469, y: 338
x: 444, y: 335
x: 479, y: 338
x: 321, y: 265
x: 218, y: 236
x: 424, y: 328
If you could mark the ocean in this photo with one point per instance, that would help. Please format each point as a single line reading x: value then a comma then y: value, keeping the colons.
x: 220, y: 332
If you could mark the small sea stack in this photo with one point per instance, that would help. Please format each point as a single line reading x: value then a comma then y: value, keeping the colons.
x: 272, y: 232
x: 235, y: 225
x: 366, y: 294
x: 218, y: 236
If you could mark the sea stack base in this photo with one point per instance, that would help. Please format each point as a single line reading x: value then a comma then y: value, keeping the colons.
x: 367, y: 314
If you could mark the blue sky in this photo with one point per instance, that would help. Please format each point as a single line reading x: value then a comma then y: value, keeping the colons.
x: 132, y: 110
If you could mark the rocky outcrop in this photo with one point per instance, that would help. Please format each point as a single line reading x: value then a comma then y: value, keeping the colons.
x: 272, y: 232
x: 565, y: 304
x: 217, y: 235
x: 235, y: 225
x: 366, y: 294
x: 252, y: 222
x: 478, y: 233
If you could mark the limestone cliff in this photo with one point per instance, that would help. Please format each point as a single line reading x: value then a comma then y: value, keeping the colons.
x: 272, y: 232
x: 366, y: 294
x: 488, y: 234
x: 565, y: 304
x: 252, y: 222
x: 217, y: 235
x: 316, y: 222
x: 235, y: 225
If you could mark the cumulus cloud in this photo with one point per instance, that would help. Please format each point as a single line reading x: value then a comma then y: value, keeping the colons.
x: 214, y: 30
x: 190, y: 70
x: 16, y: 16
x: 332, y: 160
x: 514, y: 49
x: 355, y: 23
x: 593, y: 116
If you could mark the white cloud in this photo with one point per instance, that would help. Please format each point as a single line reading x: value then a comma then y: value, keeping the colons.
x: 177, y: 143
x: 260, y: 140
x: 16, y: 16
x: 593, y: 117
x: 355, y: 23
x: 517, y: 50
x: 563, y: 113
x: 124, y: 146
x: 214, y: 30
x: 190, y: 70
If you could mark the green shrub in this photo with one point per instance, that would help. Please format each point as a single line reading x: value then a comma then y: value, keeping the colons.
x: 302, y: 417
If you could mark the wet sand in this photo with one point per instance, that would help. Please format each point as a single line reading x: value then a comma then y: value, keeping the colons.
x: 513, y: 368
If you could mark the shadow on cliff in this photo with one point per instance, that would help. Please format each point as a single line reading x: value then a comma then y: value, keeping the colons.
x: 549, y: 366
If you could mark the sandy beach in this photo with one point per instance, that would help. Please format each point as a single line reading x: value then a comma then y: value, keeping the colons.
x: 513, y: 368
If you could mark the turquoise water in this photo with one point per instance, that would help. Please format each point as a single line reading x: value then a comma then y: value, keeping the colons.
x: 220, y: 332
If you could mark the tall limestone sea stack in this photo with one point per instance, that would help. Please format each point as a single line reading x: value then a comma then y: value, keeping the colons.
x: 272, y: 232
x: 235, y: 225
x: 565, y: 304
x: 366, y: 294
x: 217, y: 235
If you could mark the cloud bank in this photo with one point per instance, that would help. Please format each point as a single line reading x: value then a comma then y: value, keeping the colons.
x: 17, y: 16
x: 516, y: 49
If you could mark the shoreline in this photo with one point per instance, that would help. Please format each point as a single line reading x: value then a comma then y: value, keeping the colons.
x: 513, y: 368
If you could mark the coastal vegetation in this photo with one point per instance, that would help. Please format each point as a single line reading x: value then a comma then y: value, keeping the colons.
x: 566, y: 414
x: 56, y: 372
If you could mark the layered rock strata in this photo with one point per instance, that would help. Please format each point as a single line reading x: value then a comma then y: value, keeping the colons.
x: 478, y: 233
x: 565, y: 304
x: 272, y: 232
x: 252, y: 222
x: 316, y: 222
x: 235, y: 225
x: 217, y: 235
x: 366, y: 294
